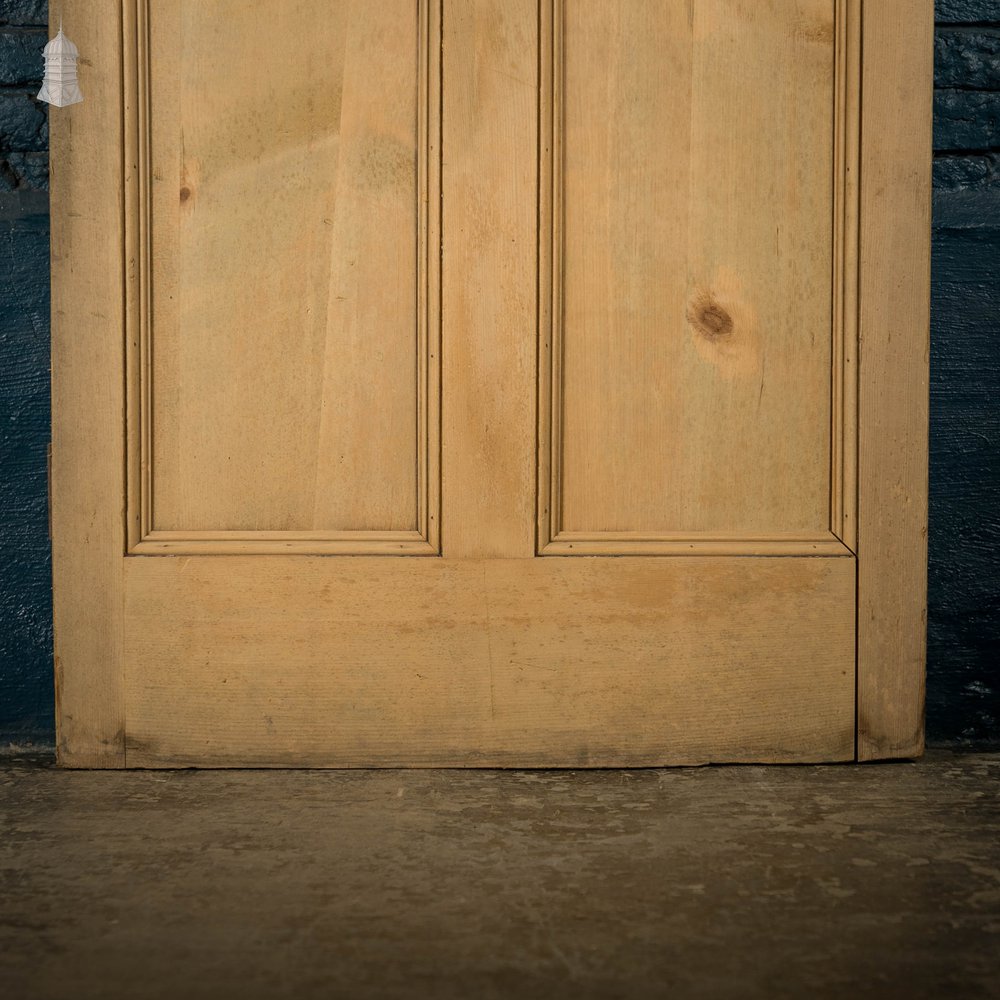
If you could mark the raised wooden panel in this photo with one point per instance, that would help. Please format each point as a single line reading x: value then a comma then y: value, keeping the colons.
x: 283, y: 202
x: 697, y: 282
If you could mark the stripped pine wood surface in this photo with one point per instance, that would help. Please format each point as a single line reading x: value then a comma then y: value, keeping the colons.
x: 488, y: 278
x: 895, y: 349
x: 88, y: 401
x: 692, y: 258
x: 614, y: 313
x: 284, y: 225
x: 486, y: 662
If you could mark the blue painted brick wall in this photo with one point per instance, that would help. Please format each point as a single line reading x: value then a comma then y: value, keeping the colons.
x: 964, y: 581
x: 963, y: 641
x: 26, y: 695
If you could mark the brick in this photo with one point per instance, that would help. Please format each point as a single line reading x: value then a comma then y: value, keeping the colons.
x: 21, y: 56
x: 966, y: 119
x: 25, y: 602
x: 958, y: 11
x: 963, y: 613
x: 23, y: 12
x: 975, y: 172
x: 24, y: 124
x: 24, y: 172
x: 966, y: 57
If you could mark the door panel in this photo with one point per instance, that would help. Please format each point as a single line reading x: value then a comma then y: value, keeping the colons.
x: 284, y: 370
x: 692, y: 245
x: 490, y: 282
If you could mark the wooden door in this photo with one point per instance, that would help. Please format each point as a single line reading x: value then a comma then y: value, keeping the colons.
x: 491, y: 382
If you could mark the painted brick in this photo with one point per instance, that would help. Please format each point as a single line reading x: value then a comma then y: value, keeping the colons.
x: 967, y: 172
x: 25, y: 567
x: 24, y: 123
x: 967, y: 58
x: 24, y: 172
x: 966, y: 119
x: 963, y: 624
x: 951, y: 11
x: 21, y: 56
x: 23, y: 12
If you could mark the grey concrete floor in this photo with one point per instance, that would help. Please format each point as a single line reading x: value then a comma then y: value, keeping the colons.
x: 840, y: 881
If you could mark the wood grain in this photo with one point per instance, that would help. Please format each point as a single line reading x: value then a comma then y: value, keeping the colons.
x: 271, y: 655
x: 288, y: 244
x: 691, y: 266
x: 545, y: 662
x: 87, y: 399
x: 488, y: 278
x: 895, y: 318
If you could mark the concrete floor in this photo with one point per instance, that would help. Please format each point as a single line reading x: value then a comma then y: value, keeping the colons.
x: 840, y: 881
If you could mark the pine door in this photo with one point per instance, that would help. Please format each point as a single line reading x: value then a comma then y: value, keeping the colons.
x: 491, y: 382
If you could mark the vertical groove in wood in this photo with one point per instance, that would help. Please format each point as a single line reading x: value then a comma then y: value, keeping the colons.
x: 145, y: 230
x: 558, y: 76
x: 893, y: 391
x: 135, y: 527
x: 429, y: 272
x: 549, y: 273
x: 87, y: 399
x: 138, y: 279
x: 847, y: 129
x: 837, y: 437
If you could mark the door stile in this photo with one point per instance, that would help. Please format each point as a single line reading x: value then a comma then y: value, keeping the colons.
x: 893, y: 401
x: 88, y: 461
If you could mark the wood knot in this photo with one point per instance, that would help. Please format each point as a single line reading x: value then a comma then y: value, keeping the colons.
x: 185, y: 193
x: 710, y: 319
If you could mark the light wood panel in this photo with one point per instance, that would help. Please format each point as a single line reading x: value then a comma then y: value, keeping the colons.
x: 488, y: 278
x: 548, y: 662
x: 87, y: 399
x: 690, y: 201
x: 287, y: 297
x: 895, y: 324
